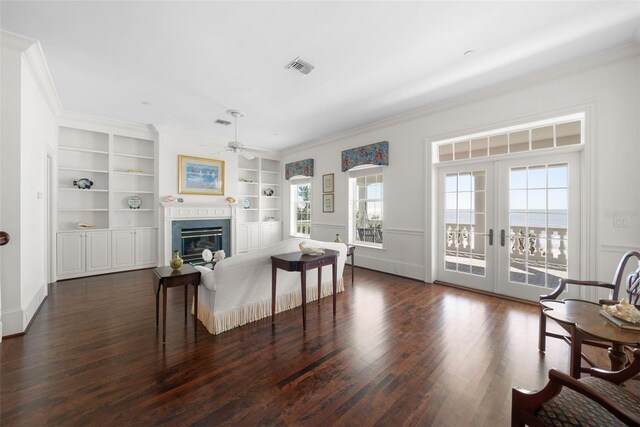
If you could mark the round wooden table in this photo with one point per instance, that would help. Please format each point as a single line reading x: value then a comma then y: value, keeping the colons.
x: 583, y: 321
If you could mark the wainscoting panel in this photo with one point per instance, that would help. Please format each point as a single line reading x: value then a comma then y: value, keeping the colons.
x: 402, y: 254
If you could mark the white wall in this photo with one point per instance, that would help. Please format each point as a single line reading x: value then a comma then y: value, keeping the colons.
x: 28, y: 133
x: 174, y: 142
x: 10, y: 192
x: 37, y: 135
x: 610, y: 93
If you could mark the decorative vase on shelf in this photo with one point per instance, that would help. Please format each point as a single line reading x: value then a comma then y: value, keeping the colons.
x: 176, y: 261
x: 338, y: 239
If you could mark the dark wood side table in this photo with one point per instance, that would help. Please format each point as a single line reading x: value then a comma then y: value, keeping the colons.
x: 170, y: 278
x: 351, y: 249
x: 583, y: 321
x: 296, y: 261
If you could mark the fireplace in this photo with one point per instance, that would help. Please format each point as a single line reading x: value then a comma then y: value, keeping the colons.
x: 191, y: 237
x: 196, y: 240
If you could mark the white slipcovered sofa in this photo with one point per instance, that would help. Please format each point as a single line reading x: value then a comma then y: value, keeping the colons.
x: 238, y: 290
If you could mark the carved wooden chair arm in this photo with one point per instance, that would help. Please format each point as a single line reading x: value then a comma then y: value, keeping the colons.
x: 620, y: 412
x: 564, y: 282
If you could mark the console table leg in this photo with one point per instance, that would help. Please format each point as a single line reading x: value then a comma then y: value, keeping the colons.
x: 335, y: 290
x: 195, y: 308
x: 319, y: 283
x: 186, y: 296
x: 274, y: 273
x: 303, y: 283
x: 353, y: 260
x: 158, y: 303
x: 164, y: 314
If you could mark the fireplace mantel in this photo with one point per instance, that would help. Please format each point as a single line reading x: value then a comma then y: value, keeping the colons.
x: 195, y: 211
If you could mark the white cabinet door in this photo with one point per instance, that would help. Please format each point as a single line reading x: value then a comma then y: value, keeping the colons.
x: 70, y: 253
x: 248, y: 238
x: 270, y: 233
x: 145, y: 246
x: 122, y: 248
x: 98, y: 250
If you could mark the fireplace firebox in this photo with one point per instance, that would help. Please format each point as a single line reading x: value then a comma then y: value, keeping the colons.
x: 191, y: 237
x: 195, y: 240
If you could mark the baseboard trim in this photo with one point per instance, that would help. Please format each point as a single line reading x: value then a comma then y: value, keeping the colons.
x: 347, y: 278
x: 478, y: 291
x: 33, y: 318
x: 389, y: 266
x: 105, y: 272
x: 18, y: 317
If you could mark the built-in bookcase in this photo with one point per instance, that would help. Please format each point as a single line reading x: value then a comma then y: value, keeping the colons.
x: 119, y: 167
x: 83, y: 154
x: 132, y: 175
x: 260, y: 224
x: 118, y: 237
x: 255, y: 177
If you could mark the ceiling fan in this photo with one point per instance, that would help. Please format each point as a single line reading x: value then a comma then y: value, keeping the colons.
x: 236, y: 146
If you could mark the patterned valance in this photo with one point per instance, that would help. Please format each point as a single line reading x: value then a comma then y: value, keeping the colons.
x: 373, y: 154
x: 301, y: 167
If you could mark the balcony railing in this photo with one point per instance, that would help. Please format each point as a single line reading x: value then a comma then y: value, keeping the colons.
x: 303, y: 227
x: 533, y: 251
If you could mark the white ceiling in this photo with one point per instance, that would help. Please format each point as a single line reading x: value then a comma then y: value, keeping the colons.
x: 194, y: 60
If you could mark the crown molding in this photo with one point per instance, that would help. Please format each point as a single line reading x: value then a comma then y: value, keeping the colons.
x: 37, y: 64
x: 34, y: 57
x: 571, y: 67
x: 102, y: 124
x: 15, y: 41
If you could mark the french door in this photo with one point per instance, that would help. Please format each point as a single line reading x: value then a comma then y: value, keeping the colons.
x: 510, y: 226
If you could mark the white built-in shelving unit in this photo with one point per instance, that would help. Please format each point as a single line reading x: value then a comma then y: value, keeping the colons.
x: 120, y: 166
x: 260, y: 224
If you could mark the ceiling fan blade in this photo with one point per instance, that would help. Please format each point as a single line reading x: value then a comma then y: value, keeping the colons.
x: 247, y: 155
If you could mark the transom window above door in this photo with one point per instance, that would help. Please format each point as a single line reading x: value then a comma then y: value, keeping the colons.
x: 547, y: 134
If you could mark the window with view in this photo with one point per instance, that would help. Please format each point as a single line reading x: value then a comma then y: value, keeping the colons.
x: 366, y: 206
x: 301, y: 207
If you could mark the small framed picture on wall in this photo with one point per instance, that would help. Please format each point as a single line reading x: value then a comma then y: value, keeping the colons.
x: 327, y: 183
x: 327, y: 203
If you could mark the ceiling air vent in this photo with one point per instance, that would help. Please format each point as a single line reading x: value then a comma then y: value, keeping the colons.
x: 300, y: 65
x: 223, y: 122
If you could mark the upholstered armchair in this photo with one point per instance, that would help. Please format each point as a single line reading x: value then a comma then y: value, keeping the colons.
x: 598, y: 400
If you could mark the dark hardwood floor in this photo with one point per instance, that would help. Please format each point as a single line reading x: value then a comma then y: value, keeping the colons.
x: 400, y: 352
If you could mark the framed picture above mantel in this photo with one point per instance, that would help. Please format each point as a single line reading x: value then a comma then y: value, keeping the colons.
x: 198, y: 175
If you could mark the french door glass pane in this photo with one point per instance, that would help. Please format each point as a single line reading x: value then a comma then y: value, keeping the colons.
x: 538, y: 219
x: 465, y: 222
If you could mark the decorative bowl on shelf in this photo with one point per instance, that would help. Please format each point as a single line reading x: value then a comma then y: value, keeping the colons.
x: 134, y: 202
x: 268, y: 192
x: 83, y: 183
x: 246, y: 203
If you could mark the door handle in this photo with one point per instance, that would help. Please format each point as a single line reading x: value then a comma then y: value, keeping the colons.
x: 491, y: 237
x: 502, y: 236
x: 4, y: 238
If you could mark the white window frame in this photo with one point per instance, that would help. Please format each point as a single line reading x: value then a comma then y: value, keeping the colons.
x: 293, y: 208
x: 357, y: 172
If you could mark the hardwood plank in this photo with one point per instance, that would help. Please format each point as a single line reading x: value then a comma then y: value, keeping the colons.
x: 399, y: 352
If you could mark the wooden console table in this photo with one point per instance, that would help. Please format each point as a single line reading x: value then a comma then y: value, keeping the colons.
x: 296, y: 261
x: 169, y: 278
